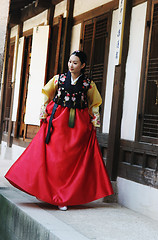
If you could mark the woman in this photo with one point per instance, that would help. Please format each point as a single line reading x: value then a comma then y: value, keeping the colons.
x: 63, y: 164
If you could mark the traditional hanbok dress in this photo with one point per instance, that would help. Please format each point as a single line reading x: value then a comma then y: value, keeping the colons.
x: 68, y: 169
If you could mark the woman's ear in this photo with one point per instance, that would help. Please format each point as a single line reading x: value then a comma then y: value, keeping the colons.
x: 83, y: 65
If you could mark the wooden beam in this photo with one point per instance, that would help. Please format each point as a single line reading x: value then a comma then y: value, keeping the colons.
x: 19, y: 15
x: 15, y: 18
x: 117, y: 101
x: 105, y: 8
x: 67, y: 35
x: 139, y: 162
x: 43, y: 3
x: 31, y: 12
x: 54, y: 2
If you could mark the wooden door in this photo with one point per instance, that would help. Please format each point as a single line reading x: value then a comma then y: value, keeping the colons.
x: 8, y: 89
x: 24, y: 86
x: 96, y: 46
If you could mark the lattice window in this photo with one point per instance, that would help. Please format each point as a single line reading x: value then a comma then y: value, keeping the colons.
x: 94, y: 45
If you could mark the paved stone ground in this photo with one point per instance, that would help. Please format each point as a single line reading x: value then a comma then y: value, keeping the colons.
x: 96, y: 220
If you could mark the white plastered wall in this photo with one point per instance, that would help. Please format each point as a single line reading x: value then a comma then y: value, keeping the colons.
x: 36, y: 21
x: 82, y: 6
x: 138, y: 197
x: 133, y: 70
x: 60, y: 9
x: 110, y: 74
x: 14, y: 31
x: 75, y: 40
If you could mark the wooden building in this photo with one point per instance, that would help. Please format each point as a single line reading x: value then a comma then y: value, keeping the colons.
x: 41, y: 35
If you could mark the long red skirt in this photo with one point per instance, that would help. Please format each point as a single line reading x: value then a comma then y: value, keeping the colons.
x: 69, y: 170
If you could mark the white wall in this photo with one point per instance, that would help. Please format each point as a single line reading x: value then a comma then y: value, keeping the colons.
x: 40, y: 19
x: 110, y: 74
x: 82, y: 6
x: 36, y: 21
x: 14, y: 31
x: 133, y: 70
x: 138, y: 197
x: 75, y: 40
x: 60, y: 9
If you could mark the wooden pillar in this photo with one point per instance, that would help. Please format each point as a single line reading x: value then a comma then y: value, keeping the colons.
x: 67, y: 35
x: 117, y: 100
x: 4, y: 49
x: 9, y: 139
x: 4, y: 80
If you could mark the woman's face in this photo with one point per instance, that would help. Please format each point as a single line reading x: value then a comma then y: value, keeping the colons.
x: 75, y: 65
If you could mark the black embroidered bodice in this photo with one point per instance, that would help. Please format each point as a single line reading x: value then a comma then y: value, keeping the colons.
x: 72, y: 96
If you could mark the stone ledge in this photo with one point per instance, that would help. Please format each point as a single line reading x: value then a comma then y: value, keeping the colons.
x: 21, y: 220
x: 23, y: 217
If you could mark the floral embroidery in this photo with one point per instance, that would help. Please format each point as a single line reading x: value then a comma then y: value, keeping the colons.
x: 62, y: 79
x: 96, y: 119
x: 85, y: 83
x: 59, y: 92
x: 43, y: 113
x: 67, y: 98
x: 76, y: 98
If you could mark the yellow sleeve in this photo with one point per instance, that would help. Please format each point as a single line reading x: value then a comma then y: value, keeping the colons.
x: 49, y: 89
x: 48, y: 92
x: 94, y: 101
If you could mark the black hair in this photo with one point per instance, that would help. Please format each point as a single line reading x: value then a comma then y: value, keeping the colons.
x: 82, y: 56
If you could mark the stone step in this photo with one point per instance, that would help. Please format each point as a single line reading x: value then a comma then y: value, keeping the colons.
x: 23, y: 217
